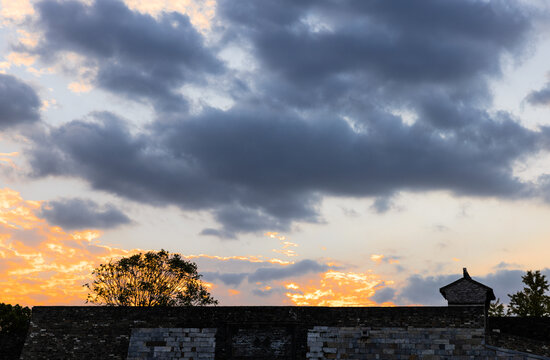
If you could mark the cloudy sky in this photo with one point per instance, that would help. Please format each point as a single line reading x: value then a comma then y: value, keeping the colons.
x: 312, y: 153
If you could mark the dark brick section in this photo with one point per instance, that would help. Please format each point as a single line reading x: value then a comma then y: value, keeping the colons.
x: 104, y: 332
x: 260, y: 342
x: 531, y: 335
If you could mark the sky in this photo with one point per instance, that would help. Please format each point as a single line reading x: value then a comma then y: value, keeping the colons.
x: 334, y: 153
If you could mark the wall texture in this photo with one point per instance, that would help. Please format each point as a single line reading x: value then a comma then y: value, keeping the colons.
x: 273, y: 333
x: 172, y: 343
x: 522, y: 334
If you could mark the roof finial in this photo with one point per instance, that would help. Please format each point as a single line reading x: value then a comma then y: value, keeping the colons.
x: 465, y: 273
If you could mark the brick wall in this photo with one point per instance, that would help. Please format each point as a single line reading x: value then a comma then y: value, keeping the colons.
x: 258, y: 333
x: 407, y: 343
x: 172, y: 343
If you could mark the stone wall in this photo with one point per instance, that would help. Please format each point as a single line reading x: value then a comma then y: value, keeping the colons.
x: 259, y: 333
x: 407, y: 343
x: 326, y: 342
x: 172, y: 344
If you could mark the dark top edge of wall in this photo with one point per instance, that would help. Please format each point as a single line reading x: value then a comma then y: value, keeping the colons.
x: 254, y: 307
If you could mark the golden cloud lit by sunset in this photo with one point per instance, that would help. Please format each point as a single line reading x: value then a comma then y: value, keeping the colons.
x: 284, y: 243
x: 200, y: 12
x: 7, y: 159
x: 42, y: 264
x: 336, y: 288
x: 251, y: 258
x: 46, y: 265
x: 15, y: 10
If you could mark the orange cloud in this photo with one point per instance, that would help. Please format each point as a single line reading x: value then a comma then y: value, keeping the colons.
x: 233, y: 292
x: 15, y: 10
x: 286, y: 252
x: 285, y: 245
x: 336, y: 288
x: 79, y: 87
x: 7, y: 158
x: 250, y: 258
x: 200, y: 12
x: 377, y: 258
x: 42, y: 264
x: 275, y: 235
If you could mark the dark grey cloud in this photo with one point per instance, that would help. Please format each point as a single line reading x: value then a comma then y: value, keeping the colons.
x: 540, y: 97
x: 259, y: 171
x: 19, y: 103
x: 78, y: 213
x: 266, y: 274
x: 230, y: 279
x: 269, y: 292
x: 323, y: 114
x: 237, y: 218
x: 383, y: 295
x: 326, y: 52
x: 136, y: 55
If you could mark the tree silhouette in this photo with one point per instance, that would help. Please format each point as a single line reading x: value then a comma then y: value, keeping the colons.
x: 531, y: 301
x: 496, y: 309
x: 148, y: 279
x: 14, y: 323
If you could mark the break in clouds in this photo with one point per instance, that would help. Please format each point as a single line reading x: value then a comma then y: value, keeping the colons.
x: 356, y: 99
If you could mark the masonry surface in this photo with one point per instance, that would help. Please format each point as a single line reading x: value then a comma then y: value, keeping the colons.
x: 455, y: 332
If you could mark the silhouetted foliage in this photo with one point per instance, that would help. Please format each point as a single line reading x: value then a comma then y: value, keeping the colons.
x: 14, y: 323
x: 149, y: 279
x: 496, y: 309
x: 531, y: 301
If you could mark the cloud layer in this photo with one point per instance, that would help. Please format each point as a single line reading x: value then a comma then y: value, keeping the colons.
x: 354, y: 100
x: 131, y: 54
x: 19, y: 103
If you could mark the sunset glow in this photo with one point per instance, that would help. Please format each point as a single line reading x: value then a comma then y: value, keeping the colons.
x: 336, y: 288
x: 300, y: 153
x: 42, y: 264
